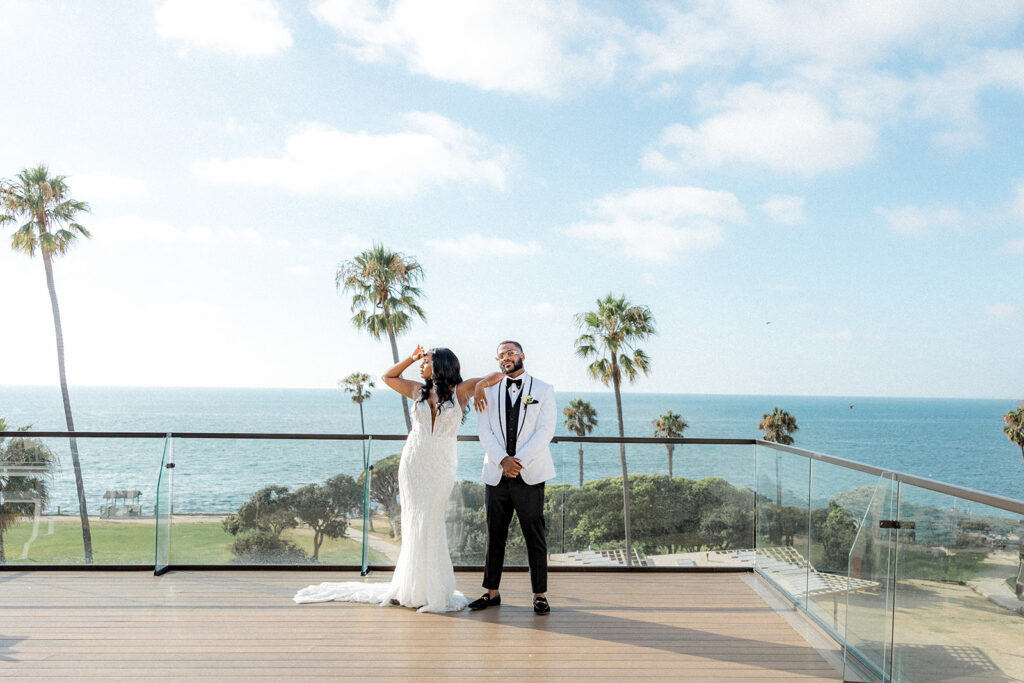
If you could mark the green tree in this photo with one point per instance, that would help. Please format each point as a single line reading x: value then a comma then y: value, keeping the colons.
x: 47, y: 214
x: 777, y: 426
x: 258, y: 525
x: 671, y: 512
x: 611, y: 334
x: 359, y: 384
x: 669, y: 426
x: 1014, y: 426
x: 384, y: 490
x: 325, y: 508
x: 837, y: 532
x: 263, y: 547
x: 384, y: 296
x: 580, y: 419
x: 25, y: 467
x: 268, y: 510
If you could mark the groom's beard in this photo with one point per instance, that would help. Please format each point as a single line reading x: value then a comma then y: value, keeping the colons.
x: 516, y: 367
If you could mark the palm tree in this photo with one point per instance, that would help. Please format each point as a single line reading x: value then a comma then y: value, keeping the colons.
x: 610, y: 334
x: 49, y: 213
x: 669, y: 426
x: 777, y: 427
x: 24, y: 466
x: 359, y: 384
x: 384, y: 296
x: 1014, y: 429
x: 580, y: 419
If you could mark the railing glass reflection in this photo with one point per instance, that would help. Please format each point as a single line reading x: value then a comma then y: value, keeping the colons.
x: 40, y: 520
x: 956, y: 614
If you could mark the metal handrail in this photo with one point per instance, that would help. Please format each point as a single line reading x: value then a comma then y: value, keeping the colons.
x: 991, y: 499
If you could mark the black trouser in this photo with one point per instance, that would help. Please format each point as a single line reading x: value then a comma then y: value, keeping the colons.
x: 512, y: 494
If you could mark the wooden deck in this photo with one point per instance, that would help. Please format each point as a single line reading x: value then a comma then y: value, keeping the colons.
x: 244, y: 625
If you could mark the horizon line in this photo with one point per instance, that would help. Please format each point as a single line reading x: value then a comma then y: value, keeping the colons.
x: 558, y: 391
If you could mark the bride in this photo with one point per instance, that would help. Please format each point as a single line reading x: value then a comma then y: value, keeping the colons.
x: 423, y: 577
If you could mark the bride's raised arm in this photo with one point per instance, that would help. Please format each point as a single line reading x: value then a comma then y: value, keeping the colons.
x: 467, y: 388
x: 393, y: 377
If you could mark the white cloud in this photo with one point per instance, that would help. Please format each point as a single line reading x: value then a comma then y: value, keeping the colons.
x: 786, y: 131
x: 543, y: 47
x: 1014, y: 246
x: 913, y: 220
x: 841, y: 335
x: 649, y: 279
x: 299, y: 271
x: 431, y: 152
x: 784, y: 210
x: 845, y: 34
x: 99, y: 186
x: 246, y: 28
x: 134, y: 228
x: 344, y: 243
x: 472, y: 246
x: 657, y: 225
x: 1001, y: 310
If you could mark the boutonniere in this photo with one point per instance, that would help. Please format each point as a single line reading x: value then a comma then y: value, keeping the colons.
x: 527, y: 400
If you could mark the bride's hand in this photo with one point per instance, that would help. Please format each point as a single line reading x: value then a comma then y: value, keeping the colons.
x: 417, y: 353
x: 479, y: 399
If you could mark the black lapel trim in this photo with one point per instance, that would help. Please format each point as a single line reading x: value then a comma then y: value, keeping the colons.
x: 525, y: 406
x: 501, y: 417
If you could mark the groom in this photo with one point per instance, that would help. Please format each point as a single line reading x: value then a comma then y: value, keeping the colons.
x: 516, y: 421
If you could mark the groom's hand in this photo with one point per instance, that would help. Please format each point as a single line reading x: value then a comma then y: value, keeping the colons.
x: 510, y: 466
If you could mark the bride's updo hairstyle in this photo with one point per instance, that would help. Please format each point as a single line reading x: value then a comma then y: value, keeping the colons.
x: 447, y: 374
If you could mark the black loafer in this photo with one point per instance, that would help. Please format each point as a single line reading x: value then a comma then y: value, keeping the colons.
x: 485, y: 601
x: 541, y: 606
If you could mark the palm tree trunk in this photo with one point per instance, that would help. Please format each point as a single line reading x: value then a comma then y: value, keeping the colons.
x: 1022, y: 450
x: 670, y: 448
x: 83, y: 512
x: 625, y: 473
x: 405, y: 402
x: 581, y: 465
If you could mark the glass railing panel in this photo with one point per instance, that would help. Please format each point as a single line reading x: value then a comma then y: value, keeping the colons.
x: 41, y: 500
x: 276, y: 502
x: 840, y: 498
x: 783, y: 541
x: 700, y: 516
x: 957, y: 613
x: 384, y: 531
x: 868, y: 611
x: 162, y: 509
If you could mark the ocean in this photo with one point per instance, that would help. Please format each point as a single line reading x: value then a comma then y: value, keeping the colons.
x: 958, y: 441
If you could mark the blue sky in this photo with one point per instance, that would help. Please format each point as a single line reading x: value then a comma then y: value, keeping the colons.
x: 812, y: 198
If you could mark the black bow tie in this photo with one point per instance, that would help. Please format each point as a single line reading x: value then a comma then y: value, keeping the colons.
x: 516, y: 382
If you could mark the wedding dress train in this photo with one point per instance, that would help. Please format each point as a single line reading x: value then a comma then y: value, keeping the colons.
x: 423, y: 576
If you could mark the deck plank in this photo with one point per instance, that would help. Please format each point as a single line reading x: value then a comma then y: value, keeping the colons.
x: 239, y: 625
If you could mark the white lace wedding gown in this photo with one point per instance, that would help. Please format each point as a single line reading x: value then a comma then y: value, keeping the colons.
x: 423, y: 576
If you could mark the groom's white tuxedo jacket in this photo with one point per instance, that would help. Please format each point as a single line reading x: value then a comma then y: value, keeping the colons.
x: 536, y: 427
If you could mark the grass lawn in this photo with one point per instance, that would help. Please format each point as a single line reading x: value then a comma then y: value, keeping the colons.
x: 134, y: 543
